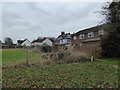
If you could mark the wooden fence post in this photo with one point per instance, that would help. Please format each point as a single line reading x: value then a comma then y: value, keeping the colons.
x: 92, y: 58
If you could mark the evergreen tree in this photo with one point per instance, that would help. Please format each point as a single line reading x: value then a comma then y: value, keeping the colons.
x: 111, y: 41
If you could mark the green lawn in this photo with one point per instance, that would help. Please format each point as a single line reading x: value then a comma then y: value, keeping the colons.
x: 97, y: 74
x: 12, y: 57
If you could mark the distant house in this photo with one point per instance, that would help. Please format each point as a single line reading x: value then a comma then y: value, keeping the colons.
x: 24, y: 42
x: 43, y: 41
x: 0, y: 44
x: 5, y: 46
x: 88, y: 40
x: 64, y: 39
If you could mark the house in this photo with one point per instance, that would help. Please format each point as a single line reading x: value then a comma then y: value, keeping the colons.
x: 88, y: 40
x: 7, y: 46
x: 43, y: 40
x: 24, y: 42
x: 0, y: 44
x: 4, y: 46
x: 64, y: 39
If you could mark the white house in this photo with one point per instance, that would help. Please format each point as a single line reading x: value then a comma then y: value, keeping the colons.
x: 25, y: 42
x: 65, y: 39
x: 42, y: 41
x: 47, y: 42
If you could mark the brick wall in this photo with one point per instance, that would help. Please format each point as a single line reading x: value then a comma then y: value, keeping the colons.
x: 89, y: 47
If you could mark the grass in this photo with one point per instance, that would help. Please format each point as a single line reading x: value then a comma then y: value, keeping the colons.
x: 96, y: 74
x: 11, y: 57
x: 0, y: 57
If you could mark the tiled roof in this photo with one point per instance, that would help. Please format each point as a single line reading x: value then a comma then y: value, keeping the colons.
x: 65, y: 36
x: 42, y: 39
x: 38, y: 40
x: 21, y: 41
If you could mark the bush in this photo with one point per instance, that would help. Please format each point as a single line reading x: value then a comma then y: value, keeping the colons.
x: 46, y: 48
x: 72, y: 59
x: 63, y: 57
x: 67, y: 57
x: 55, y: 48
x: 97, y: 55
x: 63, y: 54
x: 60, y: 55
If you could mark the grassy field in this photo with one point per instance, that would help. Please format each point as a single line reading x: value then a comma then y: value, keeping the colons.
x: 11, y: 57
x: 0, y: 57
x: 96, y: 74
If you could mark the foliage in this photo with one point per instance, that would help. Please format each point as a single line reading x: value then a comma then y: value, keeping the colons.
x: 111, y: 42
x: 55, y: 48
x: 62, y: 54
x: 9, y: 41
x: 99, y: 74
x: 76, y: 58
x: 96, y: 55
x: 46, y: 48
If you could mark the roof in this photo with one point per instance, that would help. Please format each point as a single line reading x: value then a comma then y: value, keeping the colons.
x: 21, y: 41
x: 52, y: 39
x: 42, y: 39
x: 65, y: 36
x: 95, y: 28
x: 37, y: 40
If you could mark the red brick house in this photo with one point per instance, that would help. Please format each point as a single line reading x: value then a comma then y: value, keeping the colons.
x: 88, y: 40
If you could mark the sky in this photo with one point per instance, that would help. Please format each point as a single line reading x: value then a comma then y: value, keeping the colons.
x: 31, y: 20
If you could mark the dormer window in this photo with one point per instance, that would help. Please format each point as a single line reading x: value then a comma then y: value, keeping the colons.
x: 101, y: 32
x: 90, y: 34
x: 81, y: 36
x: 74, y: 37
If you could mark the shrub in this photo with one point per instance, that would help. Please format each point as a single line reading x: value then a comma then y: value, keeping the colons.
x: 46, y: 48
x: 72, y: 58
x: 63, y: 54
x: 97, y: 55
x: 67, y: 57
x: 55, y: 48
x: 63, y: 57
x: 60, y: 55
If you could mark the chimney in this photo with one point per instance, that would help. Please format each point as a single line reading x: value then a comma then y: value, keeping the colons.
x: 62, y: 33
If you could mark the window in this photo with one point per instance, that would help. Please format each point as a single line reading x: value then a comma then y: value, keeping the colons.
x: 81, y: 36
x: 74, y: 37
x: 100, y: 32
x: 64, y: 40
x: 91, y: 34
x: 61, y: 41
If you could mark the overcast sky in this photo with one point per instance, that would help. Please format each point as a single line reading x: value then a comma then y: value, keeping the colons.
x: 30, y: 20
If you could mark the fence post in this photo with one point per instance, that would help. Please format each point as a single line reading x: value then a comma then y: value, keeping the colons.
x: 92, y: 58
